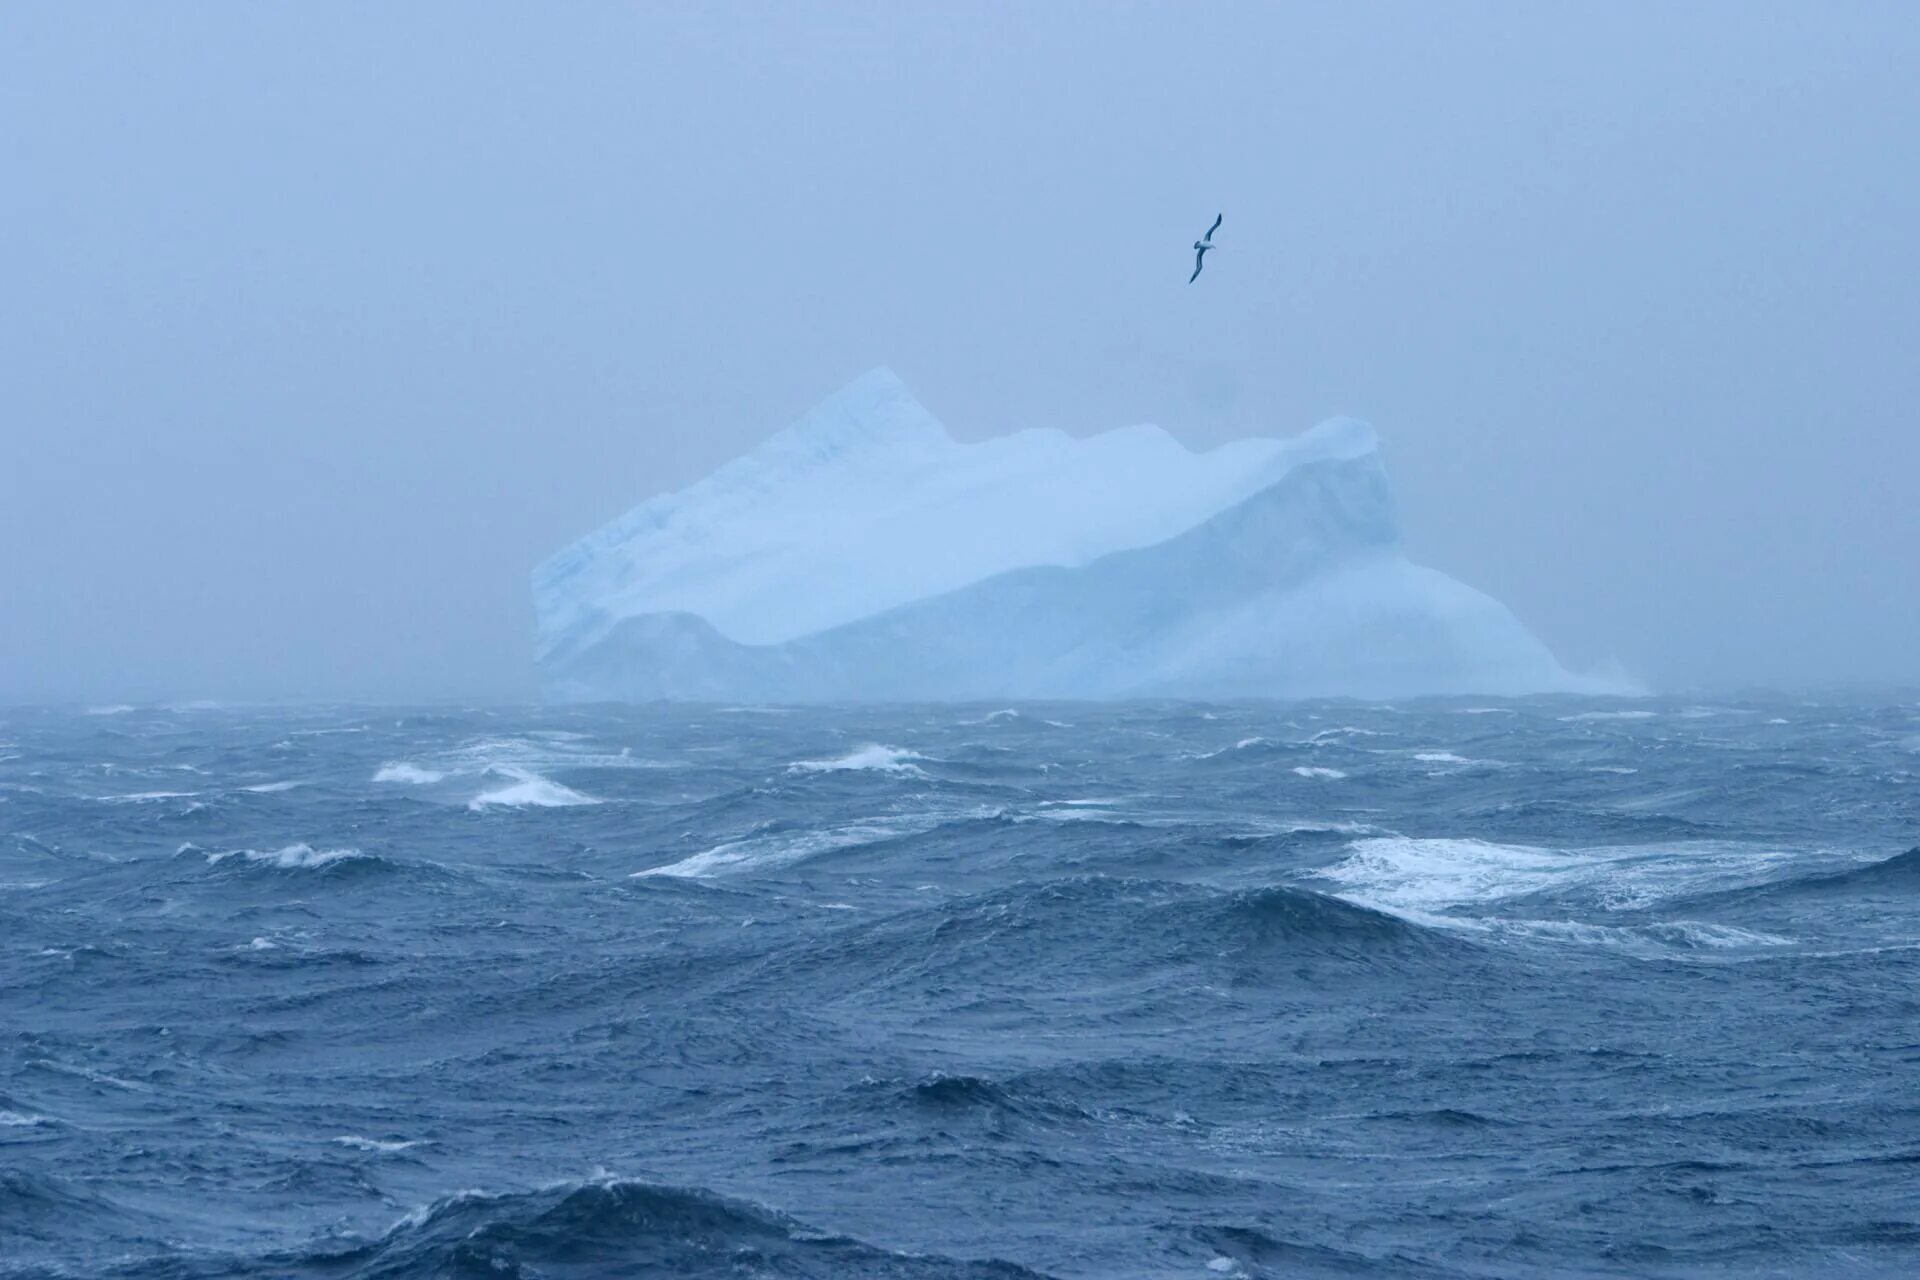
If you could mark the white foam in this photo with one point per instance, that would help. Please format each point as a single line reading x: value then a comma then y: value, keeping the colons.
x: 22, y: 1120
x: 1609, y: 715
x: 265, y: 787
x: 529, y: 790
x: 411, y: 774
x: 1080, y: 814
x: 1441, y: 757
x: 374, y: 1144
x: 261, y: 944
x: 1683, y: 935
x: 143, y: 797
x: 302, y: 857
x: 760, y: 853
x: 1422, y: 877
x: 1317, y: 771
x: 1404, y: 874
x: 1241, y: 745
x: 877, y: 757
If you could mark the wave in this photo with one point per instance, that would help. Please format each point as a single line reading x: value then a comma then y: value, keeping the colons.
x: 523, y: 758
x: 611, y: 1226
x: 766, y: 852
x: 24, y: 1120
x: 1317, y: 771
x: 1241, y: 1251
x: 1585, y: 716
x: 379, y: 1146
x: 293, y: 857
x: 1898, y: 875
x: 1661, y: 938
x: 949, y: 1099
x: 1423, y: 877
x: 1291, y: 919
x: 875, y: 757
x: 1035, y: 936
x: 528, y: 790
x: 407, y: 772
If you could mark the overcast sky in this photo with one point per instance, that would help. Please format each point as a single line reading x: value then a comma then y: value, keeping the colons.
x: 321, y: 324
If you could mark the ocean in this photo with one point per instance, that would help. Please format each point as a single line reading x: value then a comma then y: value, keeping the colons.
x: 1462, y: 988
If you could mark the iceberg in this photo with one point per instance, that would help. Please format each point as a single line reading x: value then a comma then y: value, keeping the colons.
x: 863, y: 554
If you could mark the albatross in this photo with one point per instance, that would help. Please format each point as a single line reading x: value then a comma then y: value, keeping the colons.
x: 1201, y: 246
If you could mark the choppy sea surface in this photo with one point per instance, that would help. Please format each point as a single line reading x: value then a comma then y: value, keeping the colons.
x: 1438, y: 989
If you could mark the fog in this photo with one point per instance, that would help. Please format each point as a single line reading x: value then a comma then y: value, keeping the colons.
x: 321, y: 325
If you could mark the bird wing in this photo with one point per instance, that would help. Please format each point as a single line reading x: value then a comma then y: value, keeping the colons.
x: 1199, y: 260
x: 1215, y: 227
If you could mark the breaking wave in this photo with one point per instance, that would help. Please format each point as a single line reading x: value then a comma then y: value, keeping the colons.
x: 875, y: 757
x: 528, y: 790
x: 293, y: 857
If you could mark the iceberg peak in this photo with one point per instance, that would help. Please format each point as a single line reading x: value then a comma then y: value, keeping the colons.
x: 874, y: 410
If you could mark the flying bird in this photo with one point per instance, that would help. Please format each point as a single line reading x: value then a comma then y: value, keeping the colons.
x: 1201, y: 246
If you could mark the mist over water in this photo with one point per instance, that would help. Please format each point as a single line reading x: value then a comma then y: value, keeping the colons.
x: 323, y: 325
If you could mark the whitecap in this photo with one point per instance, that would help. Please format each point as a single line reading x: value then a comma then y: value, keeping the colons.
x: 1315, y: 771
x: 303, y: 857
x: 1348, y: 731
x: 266, y: 787
x: 1678, y: 935
x: 875, y: 757
x: 759, y: 853
x: 22, y: 1120
x: 143, y: 797
x: 380, y: 1145
x: 1608, y: 715
x: 404, y: 771
x: 1419, y: 877
x: 117, y: 709
x: 529, y: 790
x: 1241, y: 745
x: 1440, y: 757
x: 1408, y: 875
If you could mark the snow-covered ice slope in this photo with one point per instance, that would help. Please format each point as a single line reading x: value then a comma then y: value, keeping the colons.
x: 862, y: 553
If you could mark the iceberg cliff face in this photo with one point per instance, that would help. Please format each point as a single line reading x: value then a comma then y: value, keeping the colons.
x: 862, y: 554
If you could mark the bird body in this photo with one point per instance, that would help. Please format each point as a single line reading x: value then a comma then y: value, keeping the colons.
x: 1201, y: 246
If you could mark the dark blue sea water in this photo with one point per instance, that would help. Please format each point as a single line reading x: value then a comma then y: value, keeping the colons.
x: 1441, y: 989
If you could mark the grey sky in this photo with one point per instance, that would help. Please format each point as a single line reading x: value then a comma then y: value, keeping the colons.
x: 321, y: 324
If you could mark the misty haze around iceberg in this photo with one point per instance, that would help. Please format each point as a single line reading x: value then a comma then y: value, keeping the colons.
x: 862, y: 554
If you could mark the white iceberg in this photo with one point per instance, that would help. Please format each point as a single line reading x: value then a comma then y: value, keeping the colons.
x: 863, y: 554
